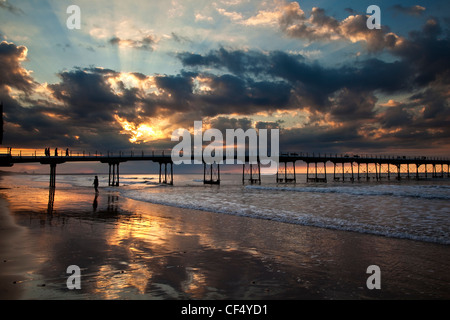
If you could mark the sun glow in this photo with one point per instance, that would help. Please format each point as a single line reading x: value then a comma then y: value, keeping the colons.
x: 139, y: 133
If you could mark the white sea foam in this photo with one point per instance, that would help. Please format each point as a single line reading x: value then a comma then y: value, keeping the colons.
x: 440, y: 192
x: 410, y: 210
x: 382, y: 215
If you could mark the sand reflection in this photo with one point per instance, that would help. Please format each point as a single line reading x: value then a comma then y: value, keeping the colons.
x: 128, y: 249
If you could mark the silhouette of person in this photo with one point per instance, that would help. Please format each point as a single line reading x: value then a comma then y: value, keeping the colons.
x: 56, y: 152
x: 67, y: 152
x: 96, y: 184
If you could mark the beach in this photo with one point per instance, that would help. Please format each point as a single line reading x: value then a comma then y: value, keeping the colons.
x: 131, y: 249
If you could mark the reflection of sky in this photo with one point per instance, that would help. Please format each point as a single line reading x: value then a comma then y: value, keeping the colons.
x: 135, y: 250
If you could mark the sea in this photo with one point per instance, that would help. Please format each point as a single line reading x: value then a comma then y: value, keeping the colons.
x: 408, y: 209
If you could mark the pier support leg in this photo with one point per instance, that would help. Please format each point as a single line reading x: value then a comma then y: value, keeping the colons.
x: 211, y: 175
x: 117, y: 182
x: 165, y: 173
x: 113, y: 178
x: 353, y: 178
x: 52, y: 175
x: 376, y: 171
x: 295, y: 176
x: 307, y: 171
x: 251, y: 175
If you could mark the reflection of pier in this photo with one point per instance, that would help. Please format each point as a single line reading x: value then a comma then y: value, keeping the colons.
x: 345, y: 167
x: 51, y: 200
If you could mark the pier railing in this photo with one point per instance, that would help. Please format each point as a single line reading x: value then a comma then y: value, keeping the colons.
x: 63, y: 153
x: 352, y: 167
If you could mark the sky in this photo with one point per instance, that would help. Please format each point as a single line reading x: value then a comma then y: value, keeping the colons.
x: 136, y: 71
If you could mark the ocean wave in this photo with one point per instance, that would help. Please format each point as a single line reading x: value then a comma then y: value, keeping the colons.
x: 290, y: 217
x: 433, y: 192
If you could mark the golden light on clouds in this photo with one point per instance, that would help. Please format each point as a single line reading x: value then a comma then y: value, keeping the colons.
x: 143, y: 132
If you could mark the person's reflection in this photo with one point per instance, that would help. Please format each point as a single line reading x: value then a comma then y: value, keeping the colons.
x: 95, y: 204
x: 51, y: 200
x: 112, y: 203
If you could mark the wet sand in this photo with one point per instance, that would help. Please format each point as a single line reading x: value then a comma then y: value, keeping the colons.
x: 15, y: 260
x: 128, y: 249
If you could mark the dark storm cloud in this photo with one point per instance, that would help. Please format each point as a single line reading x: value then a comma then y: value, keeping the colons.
x: 179, y: 86
x: 359, y: 104
x: 43, y: 124
x: 87, y: 94
x: 233, y: 94
x: 397, y: 116
x: 223, y: 123
x: 427, y: 53
x: 86, y: 118
x: 11, y: 71
x: 347, y: 93
x: 341, y: 101
x: 236, y: 61
x: 322, y: 138
x: 287, y: 74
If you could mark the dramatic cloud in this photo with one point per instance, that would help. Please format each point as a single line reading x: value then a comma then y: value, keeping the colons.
x: 12, y: 73
x: 319, y: 26
x: 342, y: 101
x: 395, y: 94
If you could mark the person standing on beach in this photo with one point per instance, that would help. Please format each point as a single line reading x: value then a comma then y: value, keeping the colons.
x: 96, y: 184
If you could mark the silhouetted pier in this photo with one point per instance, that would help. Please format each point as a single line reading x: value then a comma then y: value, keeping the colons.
x: 345, y: 167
